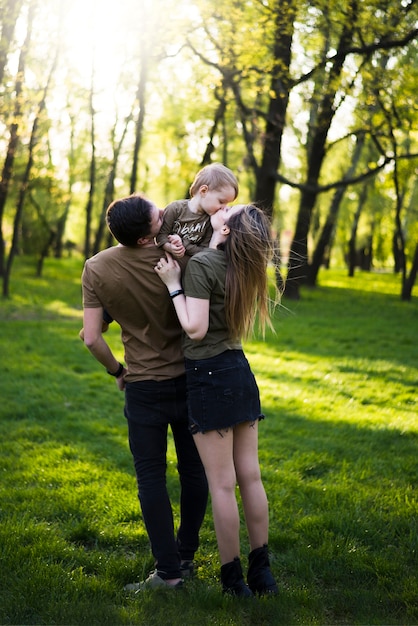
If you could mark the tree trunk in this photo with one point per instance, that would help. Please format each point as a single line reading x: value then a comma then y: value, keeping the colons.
x: 397, y: 250
x: 266, y: 175
x: 107, y: 199
x: 219, y: 116
x: 61, y: 224
x: 89, y: 205
x: 141, y: 97
x: 52, y: 235
x: 409, y: 281
x: 62, y: 221
x: 298, y: 258
x: 44, y: 253
x: 110, y: 189
x: 10, y: 13
x: 329, y: 226
x: 352, y: 256
x: 24, y: 184
x: 14, y: 134
x: 398, y: 236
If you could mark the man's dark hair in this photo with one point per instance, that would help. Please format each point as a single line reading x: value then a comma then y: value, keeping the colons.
x: 129, y: 219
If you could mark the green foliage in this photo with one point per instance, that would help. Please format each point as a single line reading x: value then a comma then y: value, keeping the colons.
x: 197, y: 56
x: 338, y: 383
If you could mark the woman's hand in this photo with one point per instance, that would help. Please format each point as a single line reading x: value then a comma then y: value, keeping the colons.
x: 169, y: 271
x: 193, y: 313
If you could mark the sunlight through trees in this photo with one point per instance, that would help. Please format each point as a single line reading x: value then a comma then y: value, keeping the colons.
x: 314, y: 110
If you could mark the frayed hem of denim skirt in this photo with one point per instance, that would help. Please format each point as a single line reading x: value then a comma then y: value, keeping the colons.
x: 195, y: 429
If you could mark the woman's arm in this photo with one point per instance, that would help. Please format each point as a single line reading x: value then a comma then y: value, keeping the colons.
x: 193, y: 313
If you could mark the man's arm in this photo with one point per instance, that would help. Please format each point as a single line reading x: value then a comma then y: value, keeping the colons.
x: 94, y: 341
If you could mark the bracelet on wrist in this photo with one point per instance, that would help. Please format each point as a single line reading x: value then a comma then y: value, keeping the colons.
x: 118, y: 372
x: 178, y: 292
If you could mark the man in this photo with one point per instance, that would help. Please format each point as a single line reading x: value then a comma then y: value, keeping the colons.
x: 121, y: 281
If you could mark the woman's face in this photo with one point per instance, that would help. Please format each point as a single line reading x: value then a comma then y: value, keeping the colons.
x: 221, y: 217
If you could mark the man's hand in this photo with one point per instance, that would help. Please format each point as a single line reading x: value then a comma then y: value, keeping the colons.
x: 120, y: 382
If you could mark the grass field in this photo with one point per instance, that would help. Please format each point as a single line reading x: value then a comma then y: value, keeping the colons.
x: 338, y: 450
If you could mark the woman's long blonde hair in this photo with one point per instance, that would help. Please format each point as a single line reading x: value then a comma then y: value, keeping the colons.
x: 248, y: 249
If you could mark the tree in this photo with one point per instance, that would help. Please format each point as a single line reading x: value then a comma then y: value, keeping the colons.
x: 284, y: 14
x: 110, y: 183
x: 25, y: 180
x: 277, y: 90
x: 9, y: 14
x: 410, y: 279
x: 329, y: 226
x: 352, y: 22
x: 298, y: 260
x: 141, y: 100
x: 92, y: 169
x: 352, y: 250
x: 7, y: 172
x: 341, y: 49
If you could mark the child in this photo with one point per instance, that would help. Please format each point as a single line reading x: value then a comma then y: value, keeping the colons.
x: 186, y: 227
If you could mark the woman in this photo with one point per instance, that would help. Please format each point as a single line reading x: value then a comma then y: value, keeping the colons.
x: 224, y: 287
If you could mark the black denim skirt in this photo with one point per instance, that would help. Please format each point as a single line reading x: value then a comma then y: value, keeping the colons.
x: 221, y: 392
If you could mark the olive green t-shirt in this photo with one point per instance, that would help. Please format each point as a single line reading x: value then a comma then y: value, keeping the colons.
x: 122, y: 280
x: 205, y: 278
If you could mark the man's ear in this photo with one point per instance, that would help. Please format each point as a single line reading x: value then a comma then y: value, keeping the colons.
x: 142, y: 240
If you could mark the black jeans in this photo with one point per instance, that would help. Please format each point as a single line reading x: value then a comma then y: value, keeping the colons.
x: 150, y: 407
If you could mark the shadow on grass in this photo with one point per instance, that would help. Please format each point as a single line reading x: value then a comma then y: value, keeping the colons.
x: 343, y: 529
x: 344, y: 521
x: 343, y: 533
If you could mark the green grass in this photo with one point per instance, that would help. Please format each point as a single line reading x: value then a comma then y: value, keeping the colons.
x: 338, y: 451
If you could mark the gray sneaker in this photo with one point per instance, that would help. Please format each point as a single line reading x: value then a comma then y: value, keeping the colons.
x: 152, y: 582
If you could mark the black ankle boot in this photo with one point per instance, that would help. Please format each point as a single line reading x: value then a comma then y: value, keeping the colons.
x: 259, y: 577
x: 232, y: 579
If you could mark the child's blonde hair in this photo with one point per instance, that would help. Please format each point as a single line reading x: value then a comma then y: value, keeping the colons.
x: 215, y: 176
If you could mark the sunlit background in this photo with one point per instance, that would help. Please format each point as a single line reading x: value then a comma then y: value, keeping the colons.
x: 175, y: 62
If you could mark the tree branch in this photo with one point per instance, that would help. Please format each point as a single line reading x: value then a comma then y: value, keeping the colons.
x: 366, y: 50
x: 344, y: 182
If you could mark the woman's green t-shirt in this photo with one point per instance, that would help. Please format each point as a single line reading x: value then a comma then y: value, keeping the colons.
x: 205, y: 278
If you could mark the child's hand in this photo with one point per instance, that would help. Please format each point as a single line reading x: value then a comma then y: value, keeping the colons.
x: 176, y: 246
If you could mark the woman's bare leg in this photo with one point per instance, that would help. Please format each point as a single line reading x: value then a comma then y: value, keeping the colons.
x: 253, y: 495
x: 216, y: 451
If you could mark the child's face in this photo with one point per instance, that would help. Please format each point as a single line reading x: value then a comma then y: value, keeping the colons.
x: 212, y: 200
